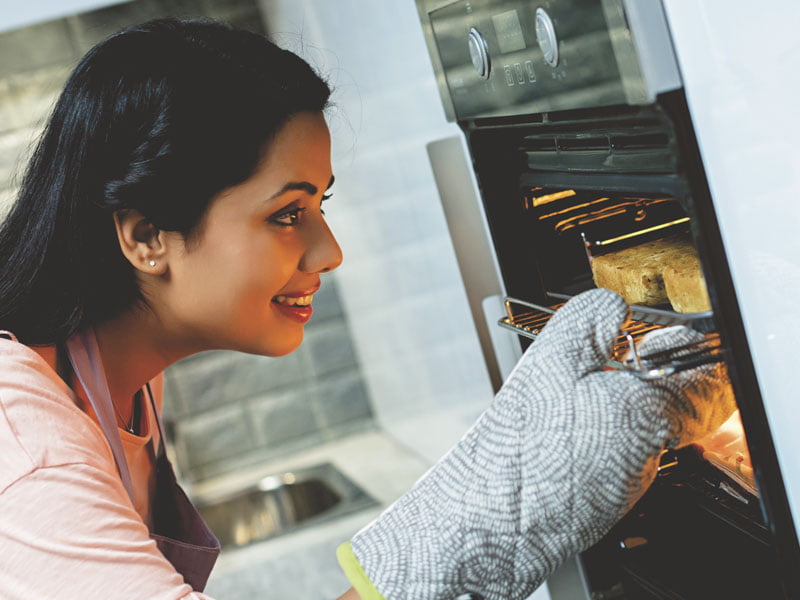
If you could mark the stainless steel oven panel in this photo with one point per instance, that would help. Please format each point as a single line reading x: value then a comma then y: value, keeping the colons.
x: 643, y: 49
x: 514, y: 57
x: 424, y: 7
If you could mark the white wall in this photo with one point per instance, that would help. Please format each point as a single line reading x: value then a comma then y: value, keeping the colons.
x: 399, y: 283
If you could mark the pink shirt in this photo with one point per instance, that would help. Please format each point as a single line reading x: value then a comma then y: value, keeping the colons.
x: 67, y: 526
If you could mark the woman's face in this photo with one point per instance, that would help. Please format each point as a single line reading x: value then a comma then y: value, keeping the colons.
x: 246, y: 282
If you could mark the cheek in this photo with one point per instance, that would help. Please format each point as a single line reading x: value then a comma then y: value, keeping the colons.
x: 234, y: 280
x: 249, y: 279
x: 206, y: 279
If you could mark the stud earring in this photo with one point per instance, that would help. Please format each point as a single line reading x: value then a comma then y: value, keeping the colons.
x: 152, y: 263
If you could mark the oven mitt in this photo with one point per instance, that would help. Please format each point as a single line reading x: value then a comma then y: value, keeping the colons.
x: 562, y: 453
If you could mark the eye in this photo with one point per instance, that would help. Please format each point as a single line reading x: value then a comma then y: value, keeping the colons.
x: 288, y: 218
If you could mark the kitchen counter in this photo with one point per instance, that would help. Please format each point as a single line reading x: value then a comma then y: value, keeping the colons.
x: 302, y: 564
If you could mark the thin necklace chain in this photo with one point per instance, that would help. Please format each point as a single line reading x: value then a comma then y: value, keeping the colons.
x: 129, y: 427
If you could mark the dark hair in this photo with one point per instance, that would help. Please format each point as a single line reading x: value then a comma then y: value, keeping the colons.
x: 160, y: 117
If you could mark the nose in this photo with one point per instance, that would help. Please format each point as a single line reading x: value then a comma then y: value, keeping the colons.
x: 323, y: 252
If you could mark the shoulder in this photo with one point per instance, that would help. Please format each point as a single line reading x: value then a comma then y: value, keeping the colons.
x: 40, y: 424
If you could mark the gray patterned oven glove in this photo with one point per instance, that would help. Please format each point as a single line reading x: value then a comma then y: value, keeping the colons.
x: 562, y: 453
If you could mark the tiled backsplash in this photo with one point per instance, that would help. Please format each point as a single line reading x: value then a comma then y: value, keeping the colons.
x: 225, y: 409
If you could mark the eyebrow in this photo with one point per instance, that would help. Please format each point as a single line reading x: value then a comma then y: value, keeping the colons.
x: 303, y: 186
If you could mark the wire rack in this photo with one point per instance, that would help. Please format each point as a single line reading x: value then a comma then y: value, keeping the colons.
x: 528, y: 319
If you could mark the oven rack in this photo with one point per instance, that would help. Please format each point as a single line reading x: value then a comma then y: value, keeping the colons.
x: 625, y: 356
x: 700, y: 321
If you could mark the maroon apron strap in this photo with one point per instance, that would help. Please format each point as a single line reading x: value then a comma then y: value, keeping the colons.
x: 84, y: 354
x: 178, y: 529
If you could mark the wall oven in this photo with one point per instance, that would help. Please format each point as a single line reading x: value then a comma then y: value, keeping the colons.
x: 583, y: 123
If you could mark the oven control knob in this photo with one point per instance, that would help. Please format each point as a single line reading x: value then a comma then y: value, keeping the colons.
x: 546, y: 36
x: 479, y: 53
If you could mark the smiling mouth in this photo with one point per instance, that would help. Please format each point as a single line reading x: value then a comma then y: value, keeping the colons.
x: 298, y: 301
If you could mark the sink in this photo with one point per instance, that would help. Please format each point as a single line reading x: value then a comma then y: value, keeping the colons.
x: 278, y: 504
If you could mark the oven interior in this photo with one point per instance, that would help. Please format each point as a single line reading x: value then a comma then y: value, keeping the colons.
x: 562, y: 188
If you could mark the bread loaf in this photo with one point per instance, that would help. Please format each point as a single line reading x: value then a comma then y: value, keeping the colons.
x: 685, y: 285
x: 637, y: 274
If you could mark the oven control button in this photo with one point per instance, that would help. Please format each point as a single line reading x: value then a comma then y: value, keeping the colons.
x: 520, y: 73
x: 546, y: 36
x: 509, y: 75
x: 531, y: 72
x: 479, y: 53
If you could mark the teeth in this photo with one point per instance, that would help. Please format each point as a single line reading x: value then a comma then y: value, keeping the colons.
x: 294, y: 301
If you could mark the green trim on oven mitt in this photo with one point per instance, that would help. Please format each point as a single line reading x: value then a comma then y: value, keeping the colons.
x: 352, y: 569
x: 562, y: 453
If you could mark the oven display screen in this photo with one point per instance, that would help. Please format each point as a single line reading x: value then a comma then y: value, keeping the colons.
x: 509, y: 31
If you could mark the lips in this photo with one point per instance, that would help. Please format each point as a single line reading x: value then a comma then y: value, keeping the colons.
x: 295, y: 305
x: 294, y: 300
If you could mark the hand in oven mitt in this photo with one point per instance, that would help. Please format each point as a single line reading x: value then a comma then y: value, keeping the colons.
x: 562, y: 453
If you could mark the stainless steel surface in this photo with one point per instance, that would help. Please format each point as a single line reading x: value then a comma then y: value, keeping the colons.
x: 281, y: 503
x: 424, y: 8
x: 642, y: 47
x: 563, y: 54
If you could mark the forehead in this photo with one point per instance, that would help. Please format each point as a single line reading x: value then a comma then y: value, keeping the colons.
x: 301, y: 145
x: 300, y: 151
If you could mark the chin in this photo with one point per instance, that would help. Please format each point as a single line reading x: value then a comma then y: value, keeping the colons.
x: 282, y: 352
x: 275, y: 347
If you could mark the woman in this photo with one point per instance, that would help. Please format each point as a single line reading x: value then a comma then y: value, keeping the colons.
x: 174, y: 205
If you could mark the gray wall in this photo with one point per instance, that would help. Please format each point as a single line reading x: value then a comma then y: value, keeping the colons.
x: 224, y: 409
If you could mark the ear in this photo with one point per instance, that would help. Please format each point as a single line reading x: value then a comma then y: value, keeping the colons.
x: 141, y: 242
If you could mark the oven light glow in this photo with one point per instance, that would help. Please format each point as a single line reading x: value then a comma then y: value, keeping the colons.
x: 727, y: 450
x: 539, y: 200
x: 642, y: 232
x: 572, y: 208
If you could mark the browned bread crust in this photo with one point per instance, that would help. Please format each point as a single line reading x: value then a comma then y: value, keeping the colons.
x: 638, y: 275
x: 685, y: 285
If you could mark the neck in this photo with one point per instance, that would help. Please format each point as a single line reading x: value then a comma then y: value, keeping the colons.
x: 134, y: 350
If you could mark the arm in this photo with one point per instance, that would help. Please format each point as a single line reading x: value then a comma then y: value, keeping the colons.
x: 563, y: 452
x: 350, y: 594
